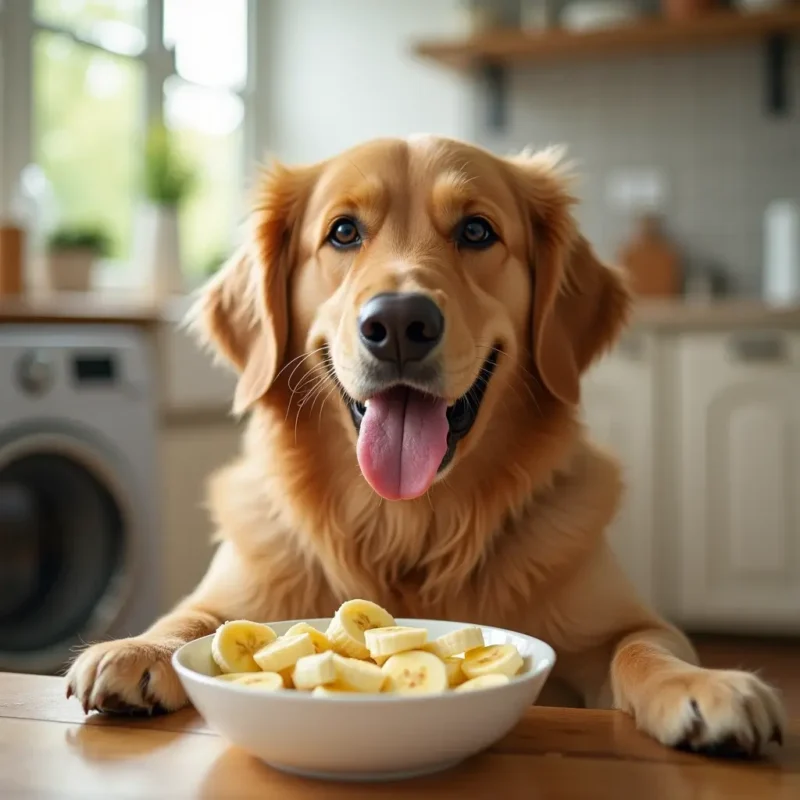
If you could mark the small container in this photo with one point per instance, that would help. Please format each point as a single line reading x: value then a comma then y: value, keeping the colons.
x: 70, y: 270
x: 12, y: 261
x: 477, y: 17
x: 782, y: 252
x: 590, y: 15
x: 652, y: 261
x: 682, y: 10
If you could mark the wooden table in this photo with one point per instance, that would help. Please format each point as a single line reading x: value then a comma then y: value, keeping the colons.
x: 49, y: 750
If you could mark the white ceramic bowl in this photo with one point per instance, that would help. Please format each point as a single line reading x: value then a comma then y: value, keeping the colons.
x: 360, y: 736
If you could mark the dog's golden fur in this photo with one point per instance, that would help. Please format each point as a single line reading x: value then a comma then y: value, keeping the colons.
x: 513, y: 532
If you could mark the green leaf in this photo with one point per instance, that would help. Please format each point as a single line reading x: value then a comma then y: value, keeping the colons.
x: 80, y: 237
x: 168, y: 176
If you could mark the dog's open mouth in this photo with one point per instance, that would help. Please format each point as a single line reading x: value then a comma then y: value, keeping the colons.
x: 406, y: 436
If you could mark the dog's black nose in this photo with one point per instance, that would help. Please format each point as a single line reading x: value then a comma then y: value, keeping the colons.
x: 400, y: 327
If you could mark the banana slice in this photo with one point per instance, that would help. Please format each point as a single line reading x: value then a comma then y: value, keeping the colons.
x: 235, y: 642
x: 284, y: 653
x: 460, y: 641
x: 455, y: 675
x: 384, y: 642
x: 286, y: 674
x: 332, y: 689
x: 503, y: 659
x: 357, y: 675
x: 318, y: 638
x: 312, y: 671
x: 483, y: 682
x: 263, y: 681
x: 415, y: 672
x: 353, y: 617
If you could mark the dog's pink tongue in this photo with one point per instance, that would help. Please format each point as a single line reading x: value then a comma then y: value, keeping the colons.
x: 402, y: 442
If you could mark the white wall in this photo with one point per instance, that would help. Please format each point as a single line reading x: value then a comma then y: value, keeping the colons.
x: 331, y: 74
x: 697, y: 120
x: 15, y: 89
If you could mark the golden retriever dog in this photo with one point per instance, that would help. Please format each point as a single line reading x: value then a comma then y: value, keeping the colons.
x: 410, y: 321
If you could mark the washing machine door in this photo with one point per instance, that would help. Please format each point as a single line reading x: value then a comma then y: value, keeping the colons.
x: 64, y: 547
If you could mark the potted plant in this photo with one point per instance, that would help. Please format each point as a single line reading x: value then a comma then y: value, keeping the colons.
x: 71, y: 253
x: 168, y: 181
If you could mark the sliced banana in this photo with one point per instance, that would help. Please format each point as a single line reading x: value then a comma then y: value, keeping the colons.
x: 384, y: 642
x: 456, y: 642
x: 235, y: 643
x: 284, y: 653
x: 362, y: 650
x: 415, y: 672
x: 502, y: 659
x: 263, y: 681
x: 455, y: 675
x: 483, y: 682
x: 353, y: 617
x: 357, y: 675
x: 331, y: 689
x: 286, y: 674
x: 316, y: 670
x: 318, y: 638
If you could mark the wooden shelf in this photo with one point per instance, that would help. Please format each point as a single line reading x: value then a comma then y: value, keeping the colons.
x: 509, y: 47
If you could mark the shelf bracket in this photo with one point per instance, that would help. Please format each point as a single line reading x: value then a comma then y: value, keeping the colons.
x: 776, y: 60
x: 495, y: 96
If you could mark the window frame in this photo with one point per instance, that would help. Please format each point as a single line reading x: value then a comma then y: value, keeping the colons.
x: 18, y: 27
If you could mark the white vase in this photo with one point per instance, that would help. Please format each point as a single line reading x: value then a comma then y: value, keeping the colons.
x: 158, y: 250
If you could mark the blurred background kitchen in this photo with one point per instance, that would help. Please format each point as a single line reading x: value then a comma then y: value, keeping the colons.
x: 130, y: 132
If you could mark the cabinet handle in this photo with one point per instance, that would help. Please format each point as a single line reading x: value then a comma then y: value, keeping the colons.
x: 755, y: 347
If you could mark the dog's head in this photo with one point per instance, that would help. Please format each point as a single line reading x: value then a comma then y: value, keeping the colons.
x: 425, y: 280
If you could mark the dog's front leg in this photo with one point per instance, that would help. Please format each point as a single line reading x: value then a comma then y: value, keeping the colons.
x: 136, y: 674
x: 617, y: 652
x: 682, y: 704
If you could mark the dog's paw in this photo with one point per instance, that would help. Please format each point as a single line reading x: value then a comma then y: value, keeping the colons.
x: 717, y: 712
x: 127, y: 676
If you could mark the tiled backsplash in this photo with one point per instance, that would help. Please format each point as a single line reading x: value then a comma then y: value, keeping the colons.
x: 699, y: 120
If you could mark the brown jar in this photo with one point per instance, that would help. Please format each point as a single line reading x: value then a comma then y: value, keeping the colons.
x: 652, y: 262
x: 12, y: 260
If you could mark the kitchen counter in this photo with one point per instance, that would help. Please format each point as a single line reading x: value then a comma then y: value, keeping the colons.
x: 50, y: 751
x: 130, y: 307
x: 687, y: 315
x: 124, y: 307
x: 193, y: 387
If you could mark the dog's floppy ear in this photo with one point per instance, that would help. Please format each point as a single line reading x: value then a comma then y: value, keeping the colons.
x: 242, y: 311
x: 580, y: 304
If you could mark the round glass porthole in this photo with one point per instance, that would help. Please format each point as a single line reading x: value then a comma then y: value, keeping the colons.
x: 62, y: 548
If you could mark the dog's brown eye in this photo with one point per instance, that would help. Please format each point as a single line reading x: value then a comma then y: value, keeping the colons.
x: 475, y: 232
x: 344, y: 233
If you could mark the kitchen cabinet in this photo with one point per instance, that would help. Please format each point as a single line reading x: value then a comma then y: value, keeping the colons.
x: 190, y: 379
x: 735, y: 405
x: 619, y: 412
x: 191, y: 451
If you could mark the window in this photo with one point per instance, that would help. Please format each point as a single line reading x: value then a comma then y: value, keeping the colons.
x: 101, y: 71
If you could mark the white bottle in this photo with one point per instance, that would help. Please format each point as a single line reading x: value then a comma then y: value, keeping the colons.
x: 781, y: 284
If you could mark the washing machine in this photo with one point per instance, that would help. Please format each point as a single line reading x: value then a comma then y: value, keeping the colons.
x: 79, y: 517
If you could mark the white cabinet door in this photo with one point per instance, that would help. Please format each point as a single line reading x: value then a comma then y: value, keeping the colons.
x: 738, y: 397
x: 618, y: 408
x: 190, y: 378
x: 190, y: 453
